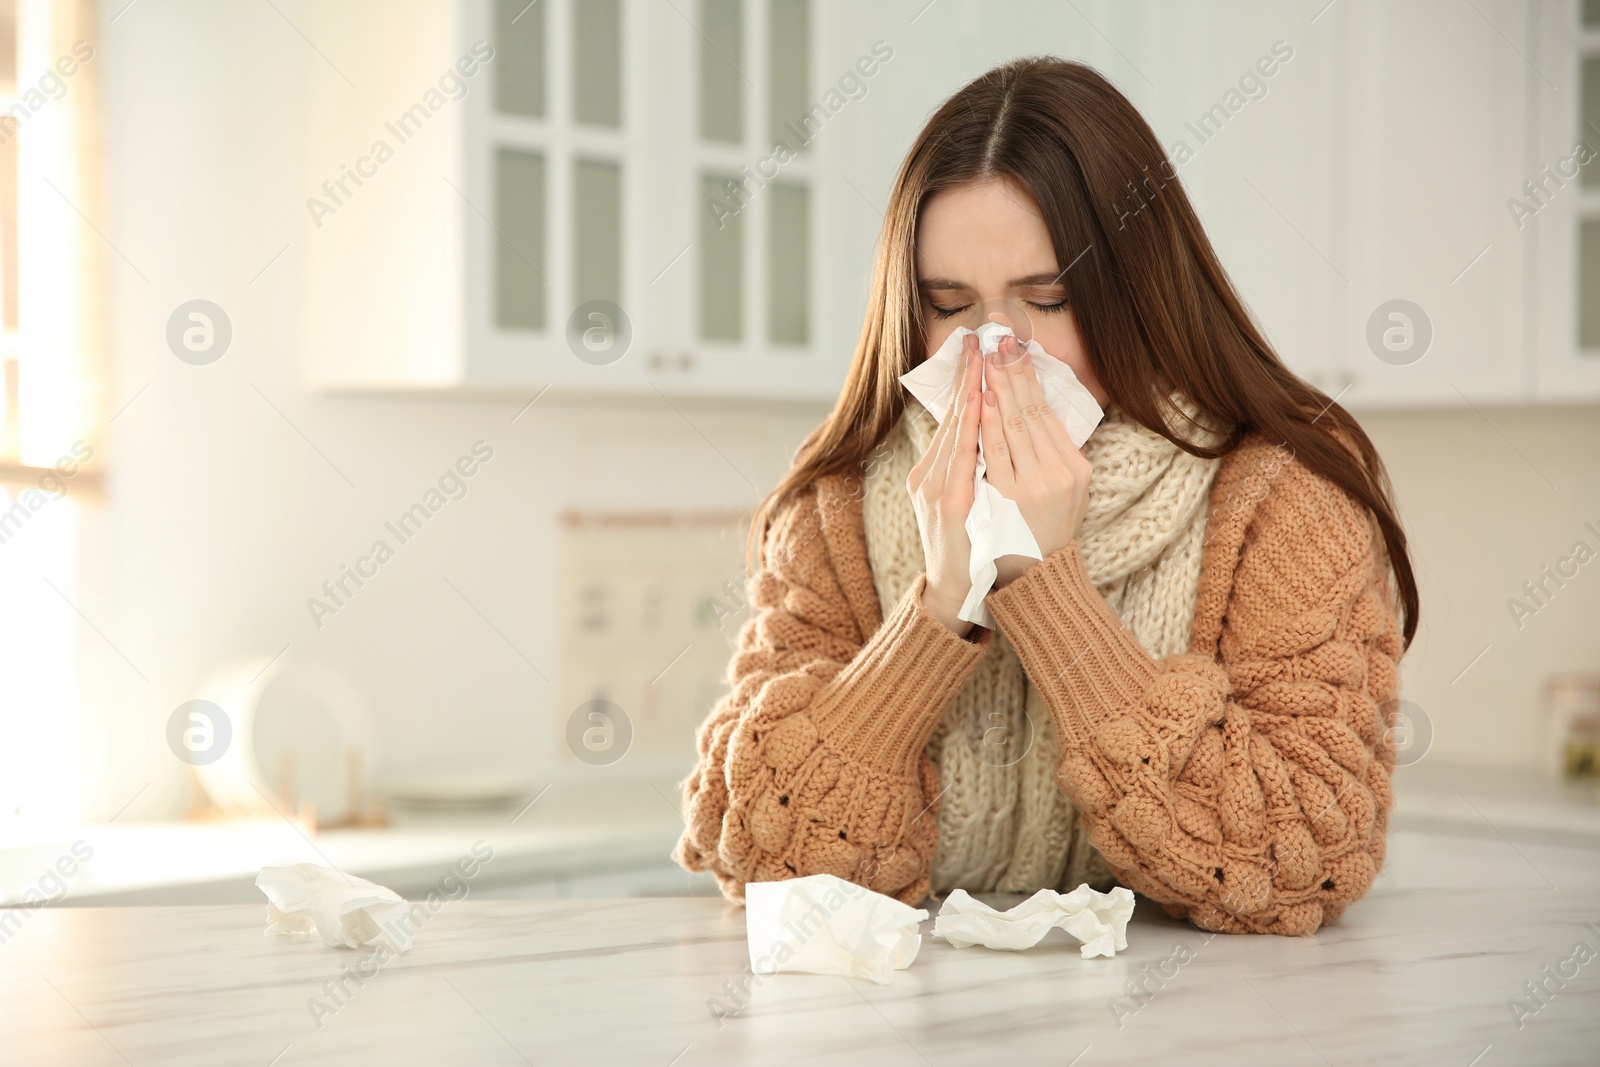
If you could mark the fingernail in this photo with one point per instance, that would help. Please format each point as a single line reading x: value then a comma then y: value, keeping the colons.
x: 988, y: 398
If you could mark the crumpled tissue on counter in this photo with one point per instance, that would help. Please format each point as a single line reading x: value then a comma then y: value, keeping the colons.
x: 822, y: 924
x: 1099, y: 920
x: 308, y: 900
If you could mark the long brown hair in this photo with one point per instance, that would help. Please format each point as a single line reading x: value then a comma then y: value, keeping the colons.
x: 1155, y: 308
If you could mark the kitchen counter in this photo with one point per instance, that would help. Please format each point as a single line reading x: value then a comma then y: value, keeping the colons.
x: 565, y: 834
x: 1406, y: 976
x: 615, y: 841
x: 217, y: 864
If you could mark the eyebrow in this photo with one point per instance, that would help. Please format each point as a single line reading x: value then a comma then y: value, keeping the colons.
x: 1042, y: 278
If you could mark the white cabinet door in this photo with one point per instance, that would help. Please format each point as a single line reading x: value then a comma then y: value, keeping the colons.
x: 1432, y: 144
x: 560, y: 159
x: 1247, y: 115
x: 1249, y: 131
x: 642, y: 234
x: 742, y: 250
x: 1560, y: 211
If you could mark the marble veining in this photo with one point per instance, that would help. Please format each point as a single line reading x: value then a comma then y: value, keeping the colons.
x: 1407, y: 976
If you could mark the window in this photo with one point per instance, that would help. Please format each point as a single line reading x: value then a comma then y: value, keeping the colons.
x: 53, y: 382
x: 50, y: 261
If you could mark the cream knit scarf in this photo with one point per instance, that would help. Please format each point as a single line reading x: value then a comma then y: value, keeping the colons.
x: 1004, y: 825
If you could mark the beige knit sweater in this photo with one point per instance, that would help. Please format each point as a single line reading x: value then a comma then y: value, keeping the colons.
x: 1243, y: 784
x: 1004, y: 825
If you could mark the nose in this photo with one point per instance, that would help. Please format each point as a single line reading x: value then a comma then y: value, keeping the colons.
x: 1007, y: 313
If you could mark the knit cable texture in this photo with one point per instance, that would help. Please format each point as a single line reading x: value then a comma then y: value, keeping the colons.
x: 1004, y: 825
x: 1243, y: 784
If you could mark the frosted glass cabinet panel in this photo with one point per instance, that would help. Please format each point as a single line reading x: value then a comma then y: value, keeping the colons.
x: 1589, y: 112
x: 721, y: 265
x: 597, y: 231
x: 1588, y: 225
x: 1589, y: 283
x: 788, y: 266
x: 789, y: 66
x: 519, y: 67
x: 597, y: 72
x: 519, y: 206
x: 721, y: 87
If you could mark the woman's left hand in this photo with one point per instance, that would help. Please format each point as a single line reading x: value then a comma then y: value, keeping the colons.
x: 1029, y: 456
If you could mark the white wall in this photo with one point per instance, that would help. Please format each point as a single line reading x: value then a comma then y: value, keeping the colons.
x: 220, y: 518
x: 1489, y: 498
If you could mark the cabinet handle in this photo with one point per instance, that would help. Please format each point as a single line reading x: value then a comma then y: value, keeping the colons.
x: 659, y: 361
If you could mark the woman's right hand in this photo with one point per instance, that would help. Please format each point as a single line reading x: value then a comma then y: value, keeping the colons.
x: 941, y: 487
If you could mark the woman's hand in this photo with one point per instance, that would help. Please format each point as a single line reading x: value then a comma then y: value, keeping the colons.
x: 941, y: 493
x: 1030, y: 458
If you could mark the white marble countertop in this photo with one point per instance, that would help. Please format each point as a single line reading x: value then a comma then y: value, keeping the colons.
x: 1408, y: 976
x: 563, y: 831
x: 187, y: 864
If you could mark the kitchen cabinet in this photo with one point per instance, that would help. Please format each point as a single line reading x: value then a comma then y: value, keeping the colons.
x: 1363, y: 204
x: 1434, y: 101
x: 606, y: 207
x: 565, y: 201
x: 1560, y: 212
x: 1342, y: 158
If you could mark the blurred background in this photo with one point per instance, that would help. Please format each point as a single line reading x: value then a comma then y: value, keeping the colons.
x: 387, y: 386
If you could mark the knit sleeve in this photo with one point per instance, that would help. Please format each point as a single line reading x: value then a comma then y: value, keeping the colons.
x: 1246, y: 792
x: 813, y: 762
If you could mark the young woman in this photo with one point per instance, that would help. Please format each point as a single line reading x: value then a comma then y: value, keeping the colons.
x: 1191, y: 694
